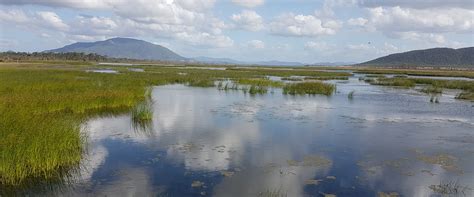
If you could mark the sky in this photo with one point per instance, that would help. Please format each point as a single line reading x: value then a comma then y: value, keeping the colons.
x: 307, y: 31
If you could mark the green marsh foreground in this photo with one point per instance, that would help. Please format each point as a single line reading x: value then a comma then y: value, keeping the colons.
x: 43, y: 106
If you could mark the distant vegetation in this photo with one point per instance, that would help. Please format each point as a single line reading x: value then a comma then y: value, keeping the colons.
x: 22, y: 56
x: 414, y: 72
x: 434, y: 85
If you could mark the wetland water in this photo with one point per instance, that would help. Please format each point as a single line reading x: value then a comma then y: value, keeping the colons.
x: 206, y: 142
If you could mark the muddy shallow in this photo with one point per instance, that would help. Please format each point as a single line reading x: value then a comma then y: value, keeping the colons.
x: 206, y: 142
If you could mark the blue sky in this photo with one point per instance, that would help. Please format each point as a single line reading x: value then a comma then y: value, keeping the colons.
x: 307, y: 31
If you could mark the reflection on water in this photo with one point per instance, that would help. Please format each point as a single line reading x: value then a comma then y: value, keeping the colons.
x: 206, y: 142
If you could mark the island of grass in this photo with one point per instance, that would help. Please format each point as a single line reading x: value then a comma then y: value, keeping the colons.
x: 309, y: 88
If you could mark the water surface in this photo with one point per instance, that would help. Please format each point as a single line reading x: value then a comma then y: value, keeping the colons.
x: 206, y: 142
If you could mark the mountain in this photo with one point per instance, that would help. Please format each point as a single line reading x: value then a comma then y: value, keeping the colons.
x: 123, y: 48
x: 435, y: 57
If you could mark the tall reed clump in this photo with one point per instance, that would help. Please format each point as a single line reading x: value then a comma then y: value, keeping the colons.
x: 142, y: 115
x: 260, y: 82
x: 42, y: 112
x: 309, y: 88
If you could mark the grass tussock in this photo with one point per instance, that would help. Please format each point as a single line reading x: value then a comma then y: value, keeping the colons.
x: 309, y: 88
x: 260, y: 82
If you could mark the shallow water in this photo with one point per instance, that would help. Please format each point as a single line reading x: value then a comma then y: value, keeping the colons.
x: 206, y: 142
x: 109, y: 71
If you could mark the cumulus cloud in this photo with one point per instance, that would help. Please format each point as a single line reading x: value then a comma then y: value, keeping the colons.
x: 419, y: 4
x: 303, y: 25
x: 185, y: 20
x: 256, y: 44
x: 357, y: 21
x: 249, y: 3
x: 248, y: 20
x: 430, y: 21
x: 318, y: 46
x: 39, y: 20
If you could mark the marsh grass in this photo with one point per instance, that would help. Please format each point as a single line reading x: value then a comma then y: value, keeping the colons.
x: 400, y: 82
x: 451, y: 188
x: 434, y: 86
x: 292, y: 79
x: 261, y: 82
x: 309, y: 88
x: 466, y: 95
x: 413, y: 72
x: 142, y: 116
x: 201, y: 83
x: 323, y: 78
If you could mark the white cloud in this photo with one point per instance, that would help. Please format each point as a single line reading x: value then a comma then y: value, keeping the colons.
x: 249, y: 3
x: 357, y: 21
x: 419, y: 4
x: 52, y: 19
x: 256, y: 44
x: 303, y: 25
x: 185, y: 20
x: 38, y: 20
x: 397, y: 19
x: 426, y: 37
x: 248, y: 20
x: 318, y: 46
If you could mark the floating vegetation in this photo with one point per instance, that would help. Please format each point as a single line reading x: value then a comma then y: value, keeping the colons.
x: 309, y: 88
x: 313, y: 181
x: 227, y: 173
x: 391, y: 194
x: 331, y: 177
x: 197, y: 184
x: 272, y: 193
x: 312, y: 161
x: 447, y: 162
x: 452, y: 188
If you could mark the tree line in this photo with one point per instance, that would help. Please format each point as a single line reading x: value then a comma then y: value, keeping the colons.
x: 44, y: 56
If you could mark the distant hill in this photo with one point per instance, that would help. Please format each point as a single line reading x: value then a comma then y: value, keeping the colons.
x: 123, y: 48
x: 435, y: 57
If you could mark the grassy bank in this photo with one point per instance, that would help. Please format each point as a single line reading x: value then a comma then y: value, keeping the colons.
x: 434, y: 86
x: 413, y: 72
